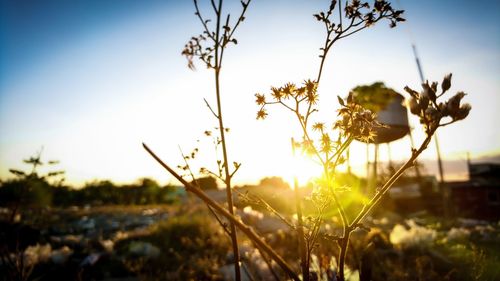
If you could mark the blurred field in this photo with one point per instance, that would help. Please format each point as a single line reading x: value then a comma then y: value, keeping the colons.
x: 182, y: 241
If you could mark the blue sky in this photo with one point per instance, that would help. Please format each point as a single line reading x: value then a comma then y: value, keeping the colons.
x: 90, y: 80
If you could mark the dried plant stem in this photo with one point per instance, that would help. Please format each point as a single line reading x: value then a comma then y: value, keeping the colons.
x: 300, y: 233
x: 221, y: 223
x: 300, y: 227
x: 348, y: 229
x: 212, y: 56
x: 268, y: 207
x: 227, y: 180
x: 373, y: 202
x: 343, y: 243
x: 229, y: 194
x: 248, y: 231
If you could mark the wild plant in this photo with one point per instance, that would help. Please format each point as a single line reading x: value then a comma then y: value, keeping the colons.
x: 209, y: 47
x: 32, y: 183
x: 28, y: 188
x: 326, y: 142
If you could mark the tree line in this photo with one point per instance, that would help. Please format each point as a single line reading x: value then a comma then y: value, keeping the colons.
x: 34, y: 191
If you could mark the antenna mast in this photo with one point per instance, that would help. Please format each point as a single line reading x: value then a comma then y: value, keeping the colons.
x: 420, y: 72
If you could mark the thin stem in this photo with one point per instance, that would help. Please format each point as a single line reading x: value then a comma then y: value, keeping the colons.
x: 222, y: 224
x: 352, y: 32
x: 215, y: 175
x: 341, y: 150
x: 336, y: 200
x: 268, y: 207
x: 300, y: 227
x: 343, y: 216
x: 344, y: 242
x: 240, y: 19
x: 216, y: 10
x: 373, y: 202
x: 221, y: 44
x: 248, y: 231
x: 234, y: 171
x: 315, y: 230
x: 340, y: 14
x: 308, y: 139
x: 286, y: 106
x: 203, y: 22
x: 229, y: 196
x: 323, y: 56
x: 187, y: 165
x: 211, y: 110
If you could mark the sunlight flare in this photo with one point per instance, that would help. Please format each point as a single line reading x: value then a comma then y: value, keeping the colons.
x: 302, y: 167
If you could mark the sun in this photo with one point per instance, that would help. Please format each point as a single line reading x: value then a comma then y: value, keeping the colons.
x: 301, y: 167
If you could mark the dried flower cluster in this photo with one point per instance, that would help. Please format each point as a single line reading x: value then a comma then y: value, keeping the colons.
x: 357, y: 16
x: 195, y: 46
x: 360, y: 14
x: 356, y: 121
x: 290, y: 96
x: 426, y: 106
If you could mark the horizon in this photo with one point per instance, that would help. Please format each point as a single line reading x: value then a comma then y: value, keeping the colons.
x: 458, y: 168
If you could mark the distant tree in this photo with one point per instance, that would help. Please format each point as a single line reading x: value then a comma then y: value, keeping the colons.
x: 275, y: 182
x: 64, y: 196
x: 30, y: 188
x: 100, y: 192
x: 375, y: 97
x: 207, y: 183
x: 149, y: 191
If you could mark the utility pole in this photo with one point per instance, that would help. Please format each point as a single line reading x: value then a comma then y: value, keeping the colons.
x: 438, y: 151
x: 442, y: 187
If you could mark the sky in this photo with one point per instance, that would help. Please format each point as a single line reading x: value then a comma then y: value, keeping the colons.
x: 89, y: 81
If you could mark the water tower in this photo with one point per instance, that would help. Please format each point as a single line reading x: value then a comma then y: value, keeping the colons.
x: 388, y: 104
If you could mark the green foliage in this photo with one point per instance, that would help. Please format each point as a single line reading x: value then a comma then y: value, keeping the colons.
x: 29, y: 192
x: 207, y: 183
x: 30, y: 189
x: 375, y: 97
x: 191, y: 248
x: 37, y: 192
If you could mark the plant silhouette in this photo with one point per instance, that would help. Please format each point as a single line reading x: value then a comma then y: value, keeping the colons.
x: 33, y: 184
x: 327, y: 142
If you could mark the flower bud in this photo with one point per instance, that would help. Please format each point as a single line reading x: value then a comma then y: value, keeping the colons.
x: 462, y: 112
x: 434, y: 86
x: 424, y: 100
x: 410, y: 91
x: 414, y: 106
x: 443, y: 109
x: 432, y: 113
x: 453, y: 103
x: 446, y: 84
x: 345, y: 119
x: 429, y: 92
x: 367, y: 114
x: 260, y: 99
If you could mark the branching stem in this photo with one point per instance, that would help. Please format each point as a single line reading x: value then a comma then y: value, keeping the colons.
x: 229, y: 196
x: 248, y: 231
